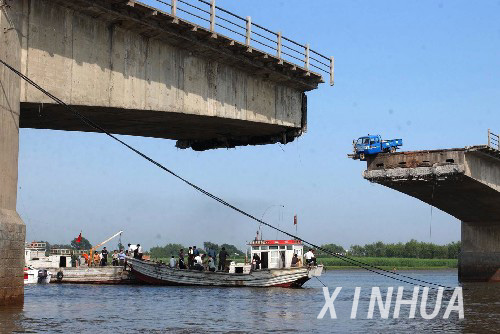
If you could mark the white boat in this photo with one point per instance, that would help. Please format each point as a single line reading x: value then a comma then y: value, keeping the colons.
x: 276, y: 270
x: 34, y: 276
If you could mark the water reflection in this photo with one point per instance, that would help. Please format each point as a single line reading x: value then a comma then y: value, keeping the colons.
x: 11, y: 319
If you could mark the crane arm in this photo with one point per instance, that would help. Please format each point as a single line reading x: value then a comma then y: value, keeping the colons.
x: 109, y: 239
x: 99, y: 245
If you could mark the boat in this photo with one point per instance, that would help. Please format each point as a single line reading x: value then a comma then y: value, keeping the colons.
x: 34, y: 276
x: 275, y: 270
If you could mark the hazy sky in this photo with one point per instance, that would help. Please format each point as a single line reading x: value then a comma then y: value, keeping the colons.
x: 424, y: 71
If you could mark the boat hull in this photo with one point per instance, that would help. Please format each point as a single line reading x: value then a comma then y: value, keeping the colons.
x: 93, y: 275
x: 160, y: 274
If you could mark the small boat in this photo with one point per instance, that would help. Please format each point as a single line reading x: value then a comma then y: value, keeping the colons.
x: 34, y: 276
x: 276, y: 269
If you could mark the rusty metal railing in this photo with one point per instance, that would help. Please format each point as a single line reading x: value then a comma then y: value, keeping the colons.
x: 493, y: 140
x: 205, y: 13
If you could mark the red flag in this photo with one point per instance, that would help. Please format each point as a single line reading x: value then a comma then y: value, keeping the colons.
x: 79, y: 239
x: 295, y: 220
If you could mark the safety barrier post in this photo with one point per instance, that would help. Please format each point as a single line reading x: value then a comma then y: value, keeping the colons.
x: 212, y: 15
x: 279, y: 45
x: 307, y: 56
x: 331, y: 70
x: 249, y: 31
x: 174, y: 7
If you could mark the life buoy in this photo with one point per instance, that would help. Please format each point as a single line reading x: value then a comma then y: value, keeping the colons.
x: 60, y: 276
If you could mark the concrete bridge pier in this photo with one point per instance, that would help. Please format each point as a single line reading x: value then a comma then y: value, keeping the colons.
x: 480, y: 252
x: 12, y: 228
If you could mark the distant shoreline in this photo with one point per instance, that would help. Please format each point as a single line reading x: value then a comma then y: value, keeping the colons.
x: 389, y: 263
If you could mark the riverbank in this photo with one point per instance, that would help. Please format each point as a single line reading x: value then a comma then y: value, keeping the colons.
x: 389, y: 263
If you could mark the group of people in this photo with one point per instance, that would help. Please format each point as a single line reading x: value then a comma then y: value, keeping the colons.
x: 198, y: 261
x: 296, y: 260
x: 118, y: 257
x: 101, y: 258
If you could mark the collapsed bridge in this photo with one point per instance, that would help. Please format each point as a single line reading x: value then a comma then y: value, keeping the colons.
x: 464, y: 183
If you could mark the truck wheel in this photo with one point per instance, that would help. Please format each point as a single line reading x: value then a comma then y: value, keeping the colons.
x: 393, y: 149
x: 362, y: 156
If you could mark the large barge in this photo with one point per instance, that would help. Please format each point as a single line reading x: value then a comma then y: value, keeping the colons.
x: 275, y: 270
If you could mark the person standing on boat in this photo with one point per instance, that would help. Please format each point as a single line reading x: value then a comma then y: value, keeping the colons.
x: 181, y: 259
x: 196, y: 251
x: 198, y: 262
x: 295, y: 260
x: 256, y: 261
x: 173, y: 263
x: 310, y: 258
x: 104, y: 259
x: 131, y: 249
x: 121, y: 258
x: 211, y: 252
x: 139, y: 251
x: 211, y: 263
x: 222, y: 259
x: 314, y: 258
x: 115, y: 258
x: 97, y: 258
x: 190, y: 257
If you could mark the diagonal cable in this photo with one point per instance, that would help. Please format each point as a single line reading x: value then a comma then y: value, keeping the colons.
x: 89, y: 122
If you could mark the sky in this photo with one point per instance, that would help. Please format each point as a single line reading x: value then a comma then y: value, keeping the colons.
x: 424, y: 71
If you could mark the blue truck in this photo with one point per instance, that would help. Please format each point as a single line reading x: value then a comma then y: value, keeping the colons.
x: 372, y: 145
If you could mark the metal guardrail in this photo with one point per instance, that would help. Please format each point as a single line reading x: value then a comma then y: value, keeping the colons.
x: 206, y: 13
x: 493, y: 140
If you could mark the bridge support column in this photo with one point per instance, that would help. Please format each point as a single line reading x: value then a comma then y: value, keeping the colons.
x: 479, y: 259
x: 12, y: 229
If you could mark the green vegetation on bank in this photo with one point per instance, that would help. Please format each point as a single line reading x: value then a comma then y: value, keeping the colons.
x: 410, y: 249
x: 390, y: 263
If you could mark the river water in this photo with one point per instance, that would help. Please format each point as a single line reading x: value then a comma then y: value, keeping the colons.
x: 151, y: 309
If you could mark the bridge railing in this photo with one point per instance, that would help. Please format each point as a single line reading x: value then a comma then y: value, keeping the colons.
x: 206, y: 14
x: 493, y: 140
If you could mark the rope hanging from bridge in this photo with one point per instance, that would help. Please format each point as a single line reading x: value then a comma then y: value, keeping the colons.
x: 377, y: 270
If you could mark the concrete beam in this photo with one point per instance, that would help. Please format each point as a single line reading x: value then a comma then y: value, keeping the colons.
x: 461, y: 182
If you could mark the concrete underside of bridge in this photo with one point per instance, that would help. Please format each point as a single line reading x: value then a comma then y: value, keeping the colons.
x: 465, y: 183
x: 137, y: 71
x: 156, y: 76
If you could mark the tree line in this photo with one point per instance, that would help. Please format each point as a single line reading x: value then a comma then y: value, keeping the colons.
x: 410, y: 249
x: 173, y: 249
